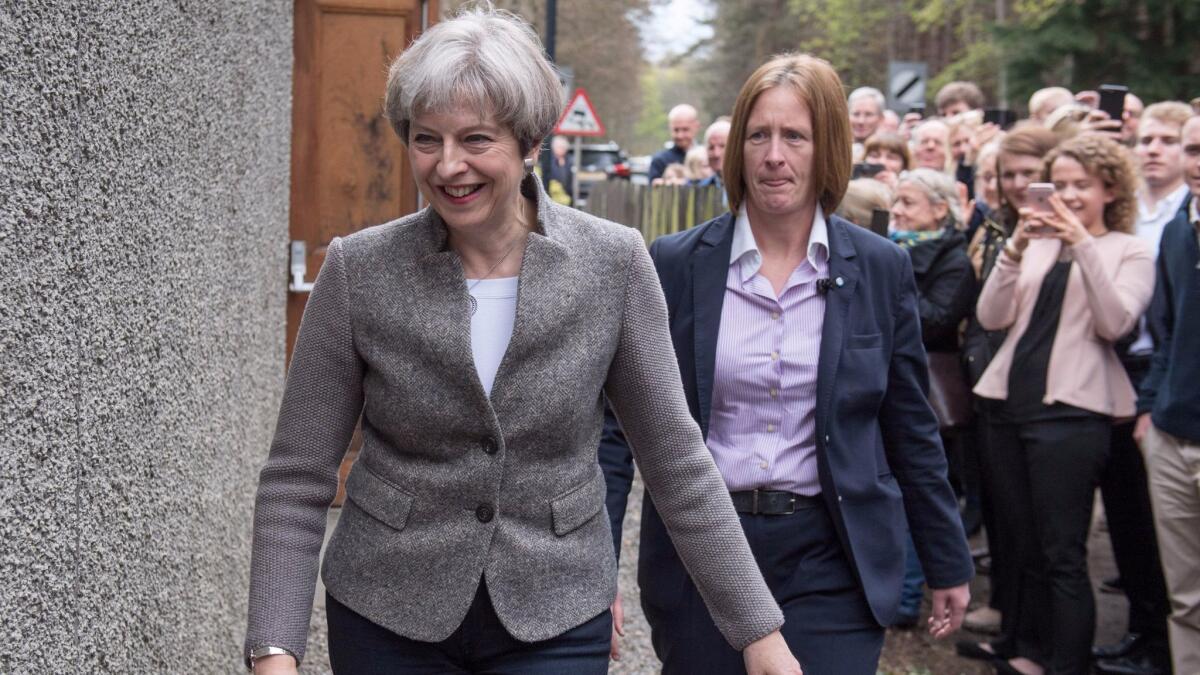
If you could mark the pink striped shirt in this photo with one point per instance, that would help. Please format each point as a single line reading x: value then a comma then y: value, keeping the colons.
x: 762, y: 429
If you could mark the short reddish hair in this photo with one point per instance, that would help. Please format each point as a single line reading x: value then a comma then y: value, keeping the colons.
x: 820, y: 89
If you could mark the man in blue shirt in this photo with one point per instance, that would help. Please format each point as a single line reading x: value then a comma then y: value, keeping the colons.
x: 1168, y: 426
x: 684, y: 123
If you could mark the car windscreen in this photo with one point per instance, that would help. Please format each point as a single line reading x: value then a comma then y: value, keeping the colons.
x: 598, y: 160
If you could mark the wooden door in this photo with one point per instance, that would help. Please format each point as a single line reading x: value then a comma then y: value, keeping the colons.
x: 348, y: 167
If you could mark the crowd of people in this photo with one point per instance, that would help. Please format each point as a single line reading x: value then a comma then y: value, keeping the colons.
x: 825, y: 388
x: 1035, y: 250
x: 1035, y: 245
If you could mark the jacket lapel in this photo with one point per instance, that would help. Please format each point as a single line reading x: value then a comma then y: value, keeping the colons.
x: 710, y: 270
x: 844, y: 273
x: 441, y: 302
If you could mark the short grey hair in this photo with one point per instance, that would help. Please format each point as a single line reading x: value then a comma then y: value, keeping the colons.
x: 869, y: 93
x: 482, y: 59
x: 939, y: 188
x: 719, y: 125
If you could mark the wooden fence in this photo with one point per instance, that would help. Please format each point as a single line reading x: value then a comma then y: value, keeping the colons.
x: 655, y: 211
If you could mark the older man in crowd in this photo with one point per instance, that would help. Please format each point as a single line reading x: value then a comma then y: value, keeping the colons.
x: 866, y: 112
x: 684, y: 123
x: 1169, y: 425
x: 715, y: 137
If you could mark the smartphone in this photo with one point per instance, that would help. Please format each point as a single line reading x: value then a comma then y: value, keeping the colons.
x: 1112, y: 100
x: 1001, y: 117
x: 1038, y: 199
x: 866, y: 170
x: 879, y: 221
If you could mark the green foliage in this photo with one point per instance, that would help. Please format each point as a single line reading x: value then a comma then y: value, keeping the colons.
x: 1147, y: 45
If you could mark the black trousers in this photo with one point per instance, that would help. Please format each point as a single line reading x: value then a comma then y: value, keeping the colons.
x: 1126, y: 497
x: 357, y: 646
x: 994, y: 480
x: 1051, y: 471
x: 829, y: 626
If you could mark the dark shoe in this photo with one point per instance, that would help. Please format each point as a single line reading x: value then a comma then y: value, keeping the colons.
x: 970, y: 649
x: 906, y: 621
x: 1129, y: 665
x: 1114, y: 585
x: 1122, y: 647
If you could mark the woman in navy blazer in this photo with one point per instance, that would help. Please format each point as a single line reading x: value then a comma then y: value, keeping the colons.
x: 856, y: 436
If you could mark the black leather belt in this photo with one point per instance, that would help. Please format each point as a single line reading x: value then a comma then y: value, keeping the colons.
x: 771, y: 502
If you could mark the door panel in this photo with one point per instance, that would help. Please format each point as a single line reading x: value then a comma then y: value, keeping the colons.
x: 348, y: 167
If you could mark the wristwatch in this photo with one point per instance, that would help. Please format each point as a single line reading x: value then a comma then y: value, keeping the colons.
x: 265, y: 651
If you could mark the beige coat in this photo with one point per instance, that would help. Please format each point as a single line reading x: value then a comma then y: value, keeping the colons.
x: 1108, y: 291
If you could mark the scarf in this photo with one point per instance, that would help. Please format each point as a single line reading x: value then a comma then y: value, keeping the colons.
x: 907, y: 240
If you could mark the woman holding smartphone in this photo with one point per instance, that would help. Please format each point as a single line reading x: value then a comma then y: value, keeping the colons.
x: 1071, y: 281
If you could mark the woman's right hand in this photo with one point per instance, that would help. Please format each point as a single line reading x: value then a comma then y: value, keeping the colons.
x: 1020, y: 236
x: 279, y: 664
x: 770, y: 656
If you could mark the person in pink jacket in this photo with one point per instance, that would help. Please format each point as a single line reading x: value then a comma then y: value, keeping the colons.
x: 1071, y: 281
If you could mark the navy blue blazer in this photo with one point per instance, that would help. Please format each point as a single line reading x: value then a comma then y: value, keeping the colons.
x: 880, y: 459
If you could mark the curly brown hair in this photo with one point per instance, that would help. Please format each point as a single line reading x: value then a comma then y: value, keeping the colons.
x: 1109, y: 161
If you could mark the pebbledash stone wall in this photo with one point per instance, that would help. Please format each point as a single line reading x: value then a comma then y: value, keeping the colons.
x: 144, y: 159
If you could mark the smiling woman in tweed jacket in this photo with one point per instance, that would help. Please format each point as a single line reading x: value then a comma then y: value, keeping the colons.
x: 477, y: 340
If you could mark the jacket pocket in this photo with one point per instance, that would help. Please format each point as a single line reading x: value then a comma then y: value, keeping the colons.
x: 378, y: 497
x: 578, y: 505
x: 866, y: 341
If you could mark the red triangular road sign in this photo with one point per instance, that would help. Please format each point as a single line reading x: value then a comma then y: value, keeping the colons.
x: 580, y: 118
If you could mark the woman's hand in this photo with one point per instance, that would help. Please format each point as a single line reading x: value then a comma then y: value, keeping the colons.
x: 1098, y: 121
x: 949, y: 607
x: 279, y: 664
x: 770, y: 656
x: 618, y: 628
x: 887, y: 178
x: 1069, y: 228
x: 983, y: 134
x: 1028, y: 218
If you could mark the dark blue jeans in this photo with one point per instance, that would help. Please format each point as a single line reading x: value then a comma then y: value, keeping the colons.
x: 479, y: 645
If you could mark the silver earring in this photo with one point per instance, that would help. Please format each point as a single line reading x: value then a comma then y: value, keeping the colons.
x: 528, y: 165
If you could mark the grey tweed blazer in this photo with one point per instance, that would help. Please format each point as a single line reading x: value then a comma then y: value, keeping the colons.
x: 452, y: 485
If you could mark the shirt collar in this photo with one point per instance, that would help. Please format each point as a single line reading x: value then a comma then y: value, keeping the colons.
x: 745, y: 250
x: 1165, y: 208
x: 1194, y: 212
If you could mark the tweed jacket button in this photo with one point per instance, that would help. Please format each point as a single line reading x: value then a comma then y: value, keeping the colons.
x: 489, y: 446
x: 485, y: 513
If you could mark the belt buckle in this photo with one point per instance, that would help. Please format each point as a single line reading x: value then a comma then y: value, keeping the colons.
x: 791, y: 505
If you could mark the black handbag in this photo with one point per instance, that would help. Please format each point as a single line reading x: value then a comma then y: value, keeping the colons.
x: 948, y: 391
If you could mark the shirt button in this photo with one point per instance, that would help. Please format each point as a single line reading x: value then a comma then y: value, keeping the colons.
x: 489, y: 446
x: 774, y: 316
x: 774, y: 356
x: 770, y: 427
x: 762, y: 465
x: 774, y: 392
x: 485, y: 513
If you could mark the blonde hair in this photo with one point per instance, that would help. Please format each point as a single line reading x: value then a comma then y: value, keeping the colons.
x: 1112, y: 164
x: 818, y: 86
x: 863, y: 196
x: 695, y: 162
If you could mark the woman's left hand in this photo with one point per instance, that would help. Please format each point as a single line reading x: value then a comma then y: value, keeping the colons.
x: 618, y: 628
x: 1069, y: 228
